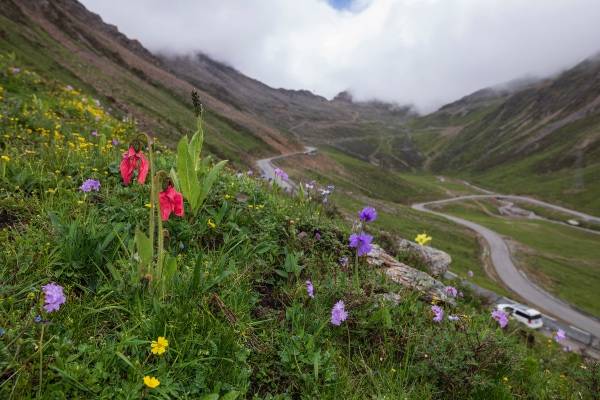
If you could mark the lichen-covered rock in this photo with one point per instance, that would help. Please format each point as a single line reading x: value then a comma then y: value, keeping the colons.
x: 407, y: 276
x: 437, y: 261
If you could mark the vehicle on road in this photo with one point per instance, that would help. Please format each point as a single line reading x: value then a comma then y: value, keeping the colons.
x: 530, y: 317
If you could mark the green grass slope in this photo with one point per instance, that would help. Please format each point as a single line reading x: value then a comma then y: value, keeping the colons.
x: 235, y: 310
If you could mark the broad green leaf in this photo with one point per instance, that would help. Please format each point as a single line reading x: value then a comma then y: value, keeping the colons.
x: 186, y: 173
x: 231, y: 395
x: 213, y: 396
x: 195, y: 147
x: 144, y: 247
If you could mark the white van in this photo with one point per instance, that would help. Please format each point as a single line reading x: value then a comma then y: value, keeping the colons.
x: 528, y: 316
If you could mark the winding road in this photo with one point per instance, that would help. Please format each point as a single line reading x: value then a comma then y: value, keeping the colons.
x: 267, y: 169
x: 514, y: 279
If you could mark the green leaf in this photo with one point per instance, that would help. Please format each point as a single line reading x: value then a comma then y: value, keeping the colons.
x: 209, y: 180
x: 175, y: 179
x: 170, y: 266
x: 186, y: 173
x: 195, y: 147
x: 213, y: 396
x: 231, y: 395
x: 144, y: 247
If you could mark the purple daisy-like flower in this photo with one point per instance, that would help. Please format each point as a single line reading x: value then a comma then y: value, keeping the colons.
x: 281, y: 174
x: 338, y: 313
x: 501, y: 317
x: 90, y: 185
x: 94, y: 133
x: 310, y: 289
x: 115, y: 142
x: 343, y: 261
x: 438, y: 313
x: 310, y: 185
x: 451, y: 291
x: 54, y: 297
x: 560, y: 336
x: 15, y: 70
x: 367, y: 214
x: 361, y: 242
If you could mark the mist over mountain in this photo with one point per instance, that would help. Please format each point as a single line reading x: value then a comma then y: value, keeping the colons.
x: 426, y: 53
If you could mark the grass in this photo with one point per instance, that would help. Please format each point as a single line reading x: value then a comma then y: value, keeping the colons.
x: 562, y: 259
x: 235, y: 309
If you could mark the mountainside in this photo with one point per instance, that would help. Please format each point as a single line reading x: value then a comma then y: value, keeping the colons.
x: 541, y: 138
x: 63, y: 39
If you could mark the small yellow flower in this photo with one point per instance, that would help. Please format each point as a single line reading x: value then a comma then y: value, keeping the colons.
x: 148, y: 205
x: 505, y: 379
x: 211, y: 224
x: 151, y: 381
x: 30, y: 295
x: 95, y: 169
x: 5, y: 158
x: 227, y: 197
x: 51, y: 191
x: 80, y: 201
x: 159, y: 346
x: 423, y: 239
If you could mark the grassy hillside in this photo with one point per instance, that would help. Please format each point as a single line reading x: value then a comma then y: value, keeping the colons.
x: 232, y: 302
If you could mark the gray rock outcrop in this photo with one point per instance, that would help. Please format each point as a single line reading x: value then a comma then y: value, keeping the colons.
x: 437, y: 261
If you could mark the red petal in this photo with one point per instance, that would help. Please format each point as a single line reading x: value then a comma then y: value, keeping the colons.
x: 144, y: 165
x: 178, y: 203
x: 165, y: 205
x: 126, y: 170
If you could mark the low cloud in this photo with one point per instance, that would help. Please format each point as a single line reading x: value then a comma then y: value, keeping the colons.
x: 424, y: 52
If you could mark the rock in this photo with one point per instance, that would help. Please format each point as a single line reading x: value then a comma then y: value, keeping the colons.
x: 392, y: 298
x: 437, y: 261
x: 407, y: 276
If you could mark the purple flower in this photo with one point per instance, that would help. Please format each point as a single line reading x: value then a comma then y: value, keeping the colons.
x: 438, y: 313
x: 560, y: 336
x: 115, y: 142
x: 53, y: 297
x: 69, y: 88
x: 338, y: 313
x: 89, y: 185
x: 37, y: 319
x: 453, y: 317
x: 281, y: 174
x: 15, y: 70
x: 94, y: 133
x: 470, y: 274
x: 367, y: 214
x: 310, y: 185
x: 310, y: 289
x: 362, y: 242
x: 451, y: 291
x: 343, y: 261
x: 317, y: 236
x: 501, y: 317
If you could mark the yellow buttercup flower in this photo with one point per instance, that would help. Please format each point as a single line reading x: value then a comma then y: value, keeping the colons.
x: 5, y: 158
x: 148, y: 205
x: 423, y: 239
x: 211, y: 224
x: 159, y: 346
x: 151, y: 381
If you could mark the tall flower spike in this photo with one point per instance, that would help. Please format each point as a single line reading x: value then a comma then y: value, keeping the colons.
x: 171, y: 201
x: 131, y: 162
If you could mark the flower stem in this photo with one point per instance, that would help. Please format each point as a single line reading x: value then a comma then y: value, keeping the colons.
x: 152, y: 200
x: 41, y: 361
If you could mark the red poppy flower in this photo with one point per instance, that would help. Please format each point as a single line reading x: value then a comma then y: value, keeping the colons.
x: 134, y: 161
x: 171, y: 201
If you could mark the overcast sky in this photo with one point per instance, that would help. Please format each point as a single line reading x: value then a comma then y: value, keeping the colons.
x: 424, y: 52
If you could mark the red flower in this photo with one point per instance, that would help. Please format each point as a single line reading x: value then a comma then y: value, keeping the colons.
x: 132, y: 161
x: 171, y: 201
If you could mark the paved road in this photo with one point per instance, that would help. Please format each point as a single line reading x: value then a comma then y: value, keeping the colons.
x: 508, y: 272
x: 267, y: 169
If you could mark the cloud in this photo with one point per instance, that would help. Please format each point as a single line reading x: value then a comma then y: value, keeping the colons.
x: 424, y: 52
